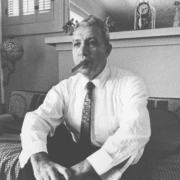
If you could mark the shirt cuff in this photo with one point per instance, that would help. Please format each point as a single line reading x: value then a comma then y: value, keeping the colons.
x: 34, y: 148
x: 100, y: 160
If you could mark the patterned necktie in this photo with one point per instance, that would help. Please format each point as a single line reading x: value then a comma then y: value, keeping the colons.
x: 85, y: 135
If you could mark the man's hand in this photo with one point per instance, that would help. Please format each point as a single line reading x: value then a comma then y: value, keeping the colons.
x: 83, y: 171
x: 44, y: 169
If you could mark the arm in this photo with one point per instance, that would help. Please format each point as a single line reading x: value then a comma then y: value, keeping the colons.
x: 128, y: 142
x: 41, y: 123
x: 84, y: 169
x: 36, y: 127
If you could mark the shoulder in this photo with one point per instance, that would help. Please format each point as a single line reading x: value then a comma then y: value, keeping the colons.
x: 65, y: 86
x: 123, y: 75
x: 71, y: 81
x: 125, y: 79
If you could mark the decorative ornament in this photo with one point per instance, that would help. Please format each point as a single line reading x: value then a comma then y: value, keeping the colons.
x: 12, y: 51
x: 110, y: 24
x: 144, y: 17
x: 176, y: 22
x: 68, y: 28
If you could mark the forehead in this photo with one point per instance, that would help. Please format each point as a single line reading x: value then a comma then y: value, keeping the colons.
x: 86, y: 32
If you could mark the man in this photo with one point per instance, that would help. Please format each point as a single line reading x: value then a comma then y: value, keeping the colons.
x: 120, y: 124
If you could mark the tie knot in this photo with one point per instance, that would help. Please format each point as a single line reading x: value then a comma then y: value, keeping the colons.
x: 89, y: 86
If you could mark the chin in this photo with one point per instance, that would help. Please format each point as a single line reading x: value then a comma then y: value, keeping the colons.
x: 85, y: 72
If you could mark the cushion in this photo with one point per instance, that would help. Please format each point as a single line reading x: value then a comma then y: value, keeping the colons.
x: 20, y: 103
x: 162, y: 152
x: 12, y: 127
x: 6, y: 117
x: 165, y: 133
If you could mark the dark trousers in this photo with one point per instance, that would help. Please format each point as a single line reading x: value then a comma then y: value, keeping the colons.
x: 64, y: 151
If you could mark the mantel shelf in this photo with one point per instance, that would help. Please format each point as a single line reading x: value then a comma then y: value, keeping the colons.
x: 123, y: 35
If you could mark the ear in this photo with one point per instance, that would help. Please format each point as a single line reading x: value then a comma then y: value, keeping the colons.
x: 108, y: 49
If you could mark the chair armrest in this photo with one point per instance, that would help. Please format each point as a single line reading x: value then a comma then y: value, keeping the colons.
x: 5, y: 118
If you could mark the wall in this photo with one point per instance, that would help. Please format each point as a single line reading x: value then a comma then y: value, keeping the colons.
x: 91, y: 7
x: 38, y: 69
x: 158, y: 65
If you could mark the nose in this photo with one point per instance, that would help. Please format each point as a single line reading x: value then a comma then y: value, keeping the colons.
x: 83, y: 50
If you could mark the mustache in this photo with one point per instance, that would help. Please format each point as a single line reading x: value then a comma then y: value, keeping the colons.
x: 75, y: 68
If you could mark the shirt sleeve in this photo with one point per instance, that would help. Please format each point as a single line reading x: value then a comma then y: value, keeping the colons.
x: 40, y: 123
x: 133, y: 133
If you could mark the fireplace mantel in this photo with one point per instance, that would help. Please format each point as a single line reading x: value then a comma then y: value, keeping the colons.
x: 152, y: 54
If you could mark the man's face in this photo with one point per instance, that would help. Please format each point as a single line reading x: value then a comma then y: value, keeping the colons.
x: 88, y: 45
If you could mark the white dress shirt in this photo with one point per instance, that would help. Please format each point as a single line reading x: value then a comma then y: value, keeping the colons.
x: 120, y: 120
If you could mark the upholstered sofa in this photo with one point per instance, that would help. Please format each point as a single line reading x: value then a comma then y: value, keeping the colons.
x: 161, y: 156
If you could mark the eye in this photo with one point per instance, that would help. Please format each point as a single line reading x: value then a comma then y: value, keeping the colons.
x: 93, y: 43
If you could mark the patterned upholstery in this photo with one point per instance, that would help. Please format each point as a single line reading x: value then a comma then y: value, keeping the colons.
x: 9, y: 148
x: 20, y: 103
x: 167, y: 168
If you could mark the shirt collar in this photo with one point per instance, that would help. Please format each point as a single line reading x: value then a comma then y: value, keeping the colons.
x: 99, y: 81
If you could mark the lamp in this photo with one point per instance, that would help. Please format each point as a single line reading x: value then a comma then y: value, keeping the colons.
x: 12, y: 51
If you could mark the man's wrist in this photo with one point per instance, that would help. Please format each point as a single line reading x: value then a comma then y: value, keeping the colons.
x: 38, y: 157
x: 82, y: 170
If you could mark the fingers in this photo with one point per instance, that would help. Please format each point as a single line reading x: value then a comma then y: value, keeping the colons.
x: 56, y: 176
x: 52, y: 171
x: 65, y: 172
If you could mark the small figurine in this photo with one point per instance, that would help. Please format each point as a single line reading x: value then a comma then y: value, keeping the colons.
x: 107, y: 22
x: 69, y: 27
x: 76, y: 23
x: 176, y: 22
x: 110, y: 25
